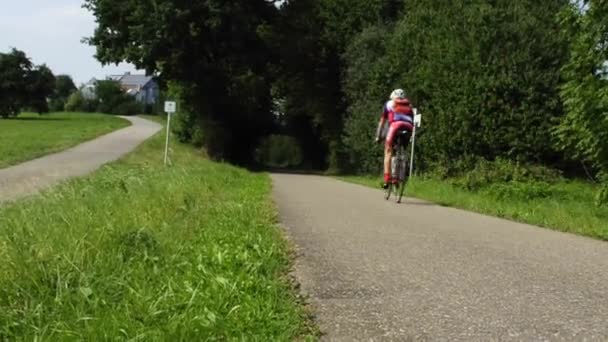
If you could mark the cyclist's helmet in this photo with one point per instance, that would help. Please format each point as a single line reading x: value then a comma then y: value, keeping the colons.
x: 398, y: 94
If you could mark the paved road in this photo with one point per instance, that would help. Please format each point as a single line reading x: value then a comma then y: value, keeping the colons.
x: 379, y: 271
x: 30, y: 177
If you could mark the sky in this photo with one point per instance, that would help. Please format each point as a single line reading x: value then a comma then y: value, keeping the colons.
x: 50, y: 32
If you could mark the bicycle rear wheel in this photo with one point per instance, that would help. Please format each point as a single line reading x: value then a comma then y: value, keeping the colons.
x: 403, y: 171
x: 387, y: 192
x: 401, y: 191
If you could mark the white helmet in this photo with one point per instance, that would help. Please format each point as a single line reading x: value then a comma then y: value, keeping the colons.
x: 398, y: 94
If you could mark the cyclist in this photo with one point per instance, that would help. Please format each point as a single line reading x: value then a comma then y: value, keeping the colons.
x: 400, y: 116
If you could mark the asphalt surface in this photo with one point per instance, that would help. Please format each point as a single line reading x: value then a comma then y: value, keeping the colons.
x: 378, y: 271
x: 32, y: 176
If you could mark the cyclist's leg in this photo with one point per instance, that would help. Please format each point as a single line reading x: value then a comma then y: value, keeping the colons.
x: 397, y: 127
x: 388, y: 154
x: 388, y: 150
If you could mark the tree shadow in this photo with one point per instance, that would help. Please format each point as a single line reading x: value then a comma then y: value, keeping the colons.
x: 280, y: 170
x: 420, y: 203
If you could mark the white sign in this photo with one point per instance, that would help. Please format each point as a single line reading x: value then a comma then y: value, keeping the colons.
x: 417, y: 118
x: 169, y: 107
x: 417, y: 123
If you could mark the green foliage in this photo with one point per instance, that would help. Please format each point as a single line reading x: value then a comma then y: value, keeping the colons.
x: 312, y: 39
x: 41, y: 85
x: 23, y: 85
x: 279, y: 151
x: 519, y: 191
x: 64, y: 88
x: 110, y: 98
x: 367, y: 83
x: 601, y: 198
x: 216, y: 50
x: 99, y: 259
x: 76, y: 102
x: 503, y: 172
x: 113, y: 100
x: 484, y: 74
x: 583, y: 132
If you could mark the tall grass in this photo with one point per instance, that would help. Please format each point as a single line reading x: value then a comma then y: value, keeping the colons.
x: 141, y: 252
x: 565, y: 205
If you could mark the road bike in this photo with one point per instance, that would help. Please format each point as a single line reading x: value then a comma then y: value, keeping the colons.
x: 399, y: 166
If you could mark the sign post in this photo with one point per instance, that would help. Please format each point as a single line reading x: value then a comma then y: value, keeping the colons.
x: 417, y: 123
x: 169, y: 109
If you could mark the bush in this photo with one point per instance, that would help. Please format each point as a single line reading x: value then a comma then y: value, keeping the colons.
x: 113, y: 100
x: 279, y: 151
x: 500, y: 171
x: 78, y: 103
x: 128, y: 107
x: 367, y: 85
x: 57, y: 105
x: 520, y: 190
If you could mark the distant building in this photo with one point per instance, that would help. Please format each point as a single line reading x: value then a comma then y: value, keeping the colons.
x: 88, y: 89
x: 143, y: 88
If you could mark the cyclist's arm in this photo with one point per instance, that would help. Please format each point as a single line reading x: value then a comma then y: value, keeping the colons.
x: 380, y: 128
x: 383, y: 119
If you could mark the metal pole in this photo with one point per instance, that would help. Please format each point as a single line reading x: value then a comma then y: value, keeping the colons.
x: 412, y: 155
x: 167, y: 141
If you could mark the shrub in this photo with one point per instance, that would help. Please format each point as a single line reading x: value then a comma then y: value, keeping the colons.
x: 520, y: 190
x: 501, y: 171
x: 78, y: 103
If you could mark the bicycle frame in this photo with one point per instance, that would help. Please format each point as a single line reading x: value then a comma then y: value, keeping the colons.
x: 399, y: 161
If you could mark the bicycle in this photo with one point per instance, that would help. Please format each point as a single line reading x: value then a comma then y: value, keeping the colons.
x: 399, y: 166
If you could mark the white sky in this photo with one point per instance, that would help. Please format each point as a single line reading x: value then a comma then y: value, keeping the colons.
x: 49, y: 32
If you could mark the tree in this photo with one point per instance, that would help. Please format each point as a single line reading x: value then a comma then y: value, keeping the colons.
x: 112, y: 99
x: 41, y: 85
x: 583, y: 131
x: 484, y: 73
x: 22, y: 84
x: 216, y: 50
x: 64, y: 87
x: 312, y: 40
x: 14, y: 70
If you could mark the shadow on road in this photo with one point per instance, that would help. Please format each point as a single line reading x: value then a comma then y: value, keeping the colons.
x: 286, y: 171
x: 419, y: 203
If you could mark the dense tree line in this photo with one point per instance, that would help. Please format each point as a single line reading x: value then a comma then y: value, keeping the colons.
x: 215, y: 51
x: 523, y: 81
x: 23, y: 84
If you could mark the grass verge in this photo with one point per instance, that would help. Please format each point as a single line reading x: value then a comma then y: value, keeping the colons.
x: 30, y: 136
x: 138, y: 251
x: 564, y: 206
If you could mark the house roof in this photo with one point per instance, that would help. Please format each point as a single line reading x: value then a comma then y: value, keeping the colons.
x: 135, y: 80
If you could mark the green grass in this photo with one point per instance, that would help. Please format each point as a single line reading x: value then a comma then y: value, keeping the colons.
x: 30, y: 136
x: 564, y: 206
x: 138, y: 251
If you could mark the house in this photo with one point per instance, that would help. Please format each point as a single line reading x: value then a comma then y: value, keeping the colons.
x: 88, y: 89
x: 143, y: 88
